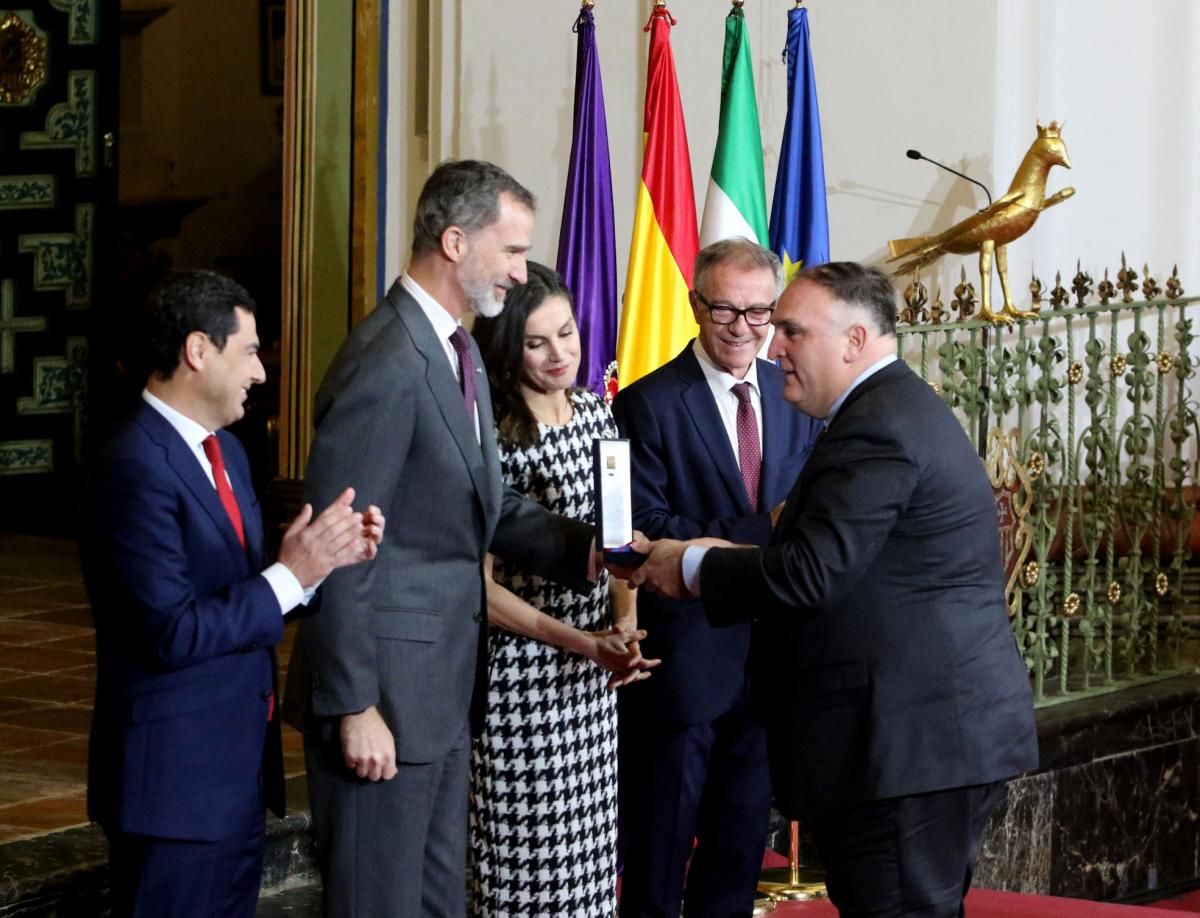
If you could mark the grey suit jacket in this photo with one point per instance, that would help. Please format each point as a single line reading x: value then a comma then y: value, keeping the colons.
x: 405, y: 632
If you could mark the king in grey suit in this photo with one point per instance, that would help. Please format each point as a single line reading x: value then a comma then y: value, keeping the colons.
x: 897, y: 701
x: 386, y: 681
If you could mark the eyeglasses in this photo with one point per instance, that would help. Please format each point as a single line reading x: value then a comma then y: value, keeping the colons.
x: 724, y: 314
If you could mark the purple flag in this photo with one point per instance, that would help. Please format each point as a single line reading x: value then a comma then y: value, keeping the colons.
x: 587, y: 250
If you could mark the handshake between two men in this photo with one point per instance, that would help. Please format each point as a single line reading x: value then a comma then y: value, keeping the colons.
x: 669, y: 567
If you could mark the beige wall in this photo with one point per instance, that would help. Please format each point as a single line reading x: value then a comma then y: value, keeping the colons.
x: 962, y: 81
x: 517, y: 74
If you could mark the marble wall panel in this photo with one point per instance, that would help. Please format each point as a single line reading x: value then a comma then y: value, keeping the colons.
x: 1113, y: 811
x: 1127, y: 824
x: 1017, y: 849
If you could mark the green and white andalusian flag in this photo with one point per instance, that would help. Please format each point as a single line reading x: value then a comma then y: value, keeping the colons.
x: 736, y: 204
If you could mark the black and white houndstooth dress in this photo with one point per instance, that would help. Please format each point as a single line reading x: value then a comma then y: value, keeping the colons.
x: 544, y: 772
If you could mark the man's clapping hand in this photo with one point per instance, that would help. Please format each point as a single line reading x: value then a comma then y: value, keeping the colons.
x: 313, y: 548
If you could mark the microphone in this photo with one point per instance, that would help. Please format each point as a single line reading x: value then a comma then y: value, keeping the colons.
x: 917, y: 154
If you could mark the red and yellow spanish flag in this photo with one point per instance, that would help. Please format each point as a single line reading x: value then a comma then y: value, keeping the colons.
x: 656, y: 321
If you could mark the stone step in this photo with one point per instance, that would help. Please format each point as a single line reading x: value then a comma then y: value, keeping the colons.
x: 291, y: 902
x: 65, y: 874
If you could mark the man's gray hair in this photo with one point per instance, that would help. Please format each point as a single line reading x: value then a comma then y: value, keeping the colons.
x: 742, y: 253
x: 463, y: 193
x: 858, y: 285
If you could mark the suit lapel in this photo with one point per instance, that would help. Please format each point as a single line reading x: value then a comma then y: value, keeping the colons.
x: 770, y: 387
x: 697, y: 398
x: 243, y: 490
x: 183, y: 462
x: 485, y: 482
x: 887, y: 376
x: 447, y: 394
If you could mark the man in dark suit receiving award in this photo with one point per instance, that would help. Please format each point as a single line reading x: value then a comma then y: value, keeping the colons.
x: 883, y: 660
x: 387, y: 680
x: 185, y: 746
x: 714, y: 448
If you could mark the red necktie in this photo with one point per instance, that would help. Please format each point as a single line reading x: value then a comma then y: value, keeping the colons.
x: 749, y: 451
x: 212, y: 449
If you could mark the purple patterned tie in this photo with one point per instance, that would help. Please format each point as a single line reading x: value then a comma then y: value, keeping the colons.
x: 749, y: 452
x: 461, y: 342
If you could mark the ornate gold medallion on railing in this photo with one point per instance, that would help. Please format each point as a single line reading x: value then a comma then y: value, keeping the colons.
x: 1162, y: 584
x: 1012, y: 487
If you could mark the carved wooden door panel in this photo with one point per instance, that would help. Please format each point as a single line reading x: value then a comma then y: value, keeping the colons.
x: 58, y: 86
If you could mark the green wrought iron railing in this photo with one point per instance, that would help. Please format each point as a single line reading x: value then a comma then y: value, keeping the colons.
x: 1085, y: 415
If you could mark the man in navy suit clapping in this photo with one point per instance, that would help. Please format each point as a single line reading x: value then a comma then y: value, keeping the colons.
x: 185, y: 748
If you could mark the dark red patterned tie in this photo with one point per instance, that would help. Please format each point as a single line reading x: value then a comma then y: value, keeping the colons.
x: 212, y: 449
x: 749, y: 451
x: 461, y: 341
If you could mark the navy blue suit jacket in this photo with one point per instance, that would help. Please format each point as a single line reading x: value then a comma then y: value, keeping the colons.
x: 686, y: 484
x: 184, y: 635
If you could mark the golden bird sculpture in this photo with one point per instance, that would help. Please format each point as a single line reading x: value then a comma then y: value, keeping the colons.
x: 991, y: 229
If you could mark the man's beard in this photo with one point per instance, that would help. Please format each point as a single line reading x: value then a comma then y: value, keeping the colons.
x: 482, y: 300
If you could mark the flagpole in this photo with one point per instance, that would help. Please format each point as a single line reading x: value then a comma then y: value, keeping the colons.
x: 799, y: 236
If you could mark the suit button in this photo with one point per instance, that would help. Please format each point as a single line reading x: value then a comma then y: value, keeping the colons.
x: 266, y: 695
x: 477, y: 617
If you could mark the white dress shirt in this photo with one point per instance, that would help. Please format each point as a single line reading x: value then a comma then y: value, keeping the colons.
x: 287, y: 589
x: 721, y: 383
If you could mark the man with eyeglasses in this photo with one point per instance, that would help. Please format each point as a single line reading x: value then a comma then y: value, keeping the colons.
x: 714, y: 448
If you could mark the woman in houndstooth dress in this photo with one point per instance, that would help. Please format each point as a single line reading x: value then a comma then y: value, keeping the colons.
x: 544, y: 771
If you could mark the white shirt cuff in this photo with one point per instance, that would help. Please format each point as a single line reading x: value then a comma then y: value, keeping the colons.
x: 693, y: 556
x: 287, y: 589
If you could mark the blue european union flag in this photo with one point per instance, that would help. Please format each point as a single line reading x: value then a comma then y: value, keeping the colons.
x: 799, y: 229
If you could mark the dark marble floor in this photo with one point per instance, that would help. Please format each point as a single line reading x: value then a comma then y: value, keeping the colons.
x: 47, y: 679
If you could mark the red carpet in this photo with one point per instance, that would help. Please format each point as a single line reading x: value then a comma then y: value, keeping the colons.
x: 1188, y: 902
x: 987, y: 903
